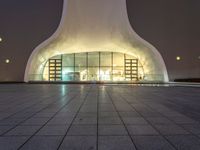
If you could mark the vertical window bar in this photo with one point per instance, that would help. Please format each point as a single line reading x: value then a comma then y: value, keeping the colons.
x: 99, y: 65
x: 74, y: 66
x: 61, y: 67
x: 87, y: 65
x: 125, y: 66
x: 112, y: 66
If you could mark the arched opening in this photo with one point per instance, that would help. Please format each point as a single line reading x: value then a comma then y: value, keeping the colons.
x: 93, y: 66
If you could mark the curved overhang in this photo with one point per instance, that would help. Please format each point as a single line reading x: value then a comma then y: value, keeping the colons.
x: 95, y: 25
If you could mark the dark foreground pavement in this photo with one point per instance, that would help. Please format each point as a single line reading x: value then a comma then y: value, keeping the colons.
x: 103, y: 117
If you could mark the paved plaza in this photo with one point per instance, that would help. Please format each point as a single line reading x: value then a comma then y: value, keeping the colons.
x: 99, y: 117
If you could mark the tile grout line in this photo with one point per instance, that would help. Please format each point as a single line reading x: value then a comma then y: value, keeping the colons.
x: 179, y: 125
x: 43, y: 99
x: 23, y: 109
x: 31, y: 116
x: 149, y: 122
x: 121, y: 120
x: 62, y: 140
x: 47, y: 122
x: 167, y: 117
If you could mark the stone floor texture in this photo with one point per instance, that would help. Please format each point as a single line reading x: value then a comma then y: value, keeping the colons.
x: 99, y: 117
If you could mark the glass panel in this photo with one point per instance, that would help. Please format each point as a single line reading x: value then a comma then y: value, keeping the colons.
x: 93, y: 59
x: 68, y: 60
x: 46, y: 74
x: 68, y: 73
x: 118, y: 74
x: 106, y: 59
x: 93, y: 73
x: 81, y: 73
x: 80, y: 59
x: 105, y: 73
x: 118, y: 59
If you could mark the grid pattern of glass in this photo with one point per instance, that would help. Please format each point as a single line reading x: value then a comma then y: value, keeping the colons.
x: 93, y: 66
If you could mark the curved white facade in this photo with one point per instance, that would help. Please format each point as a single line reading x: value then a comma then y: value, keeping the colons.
x: 93, y: 26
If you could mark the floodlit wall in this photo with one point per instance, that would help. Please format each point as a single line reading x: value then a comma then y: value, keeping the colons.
x: 92, y: 26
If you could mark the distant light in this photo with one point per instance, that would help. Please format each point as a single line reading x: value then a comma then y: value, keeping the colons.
x: 178, y: 58
x: 1, y: 39
x: 7, y: 61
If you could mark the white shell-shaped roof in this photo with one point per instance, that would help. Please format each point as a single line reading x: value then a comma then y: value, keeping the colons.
x: 97, y: 25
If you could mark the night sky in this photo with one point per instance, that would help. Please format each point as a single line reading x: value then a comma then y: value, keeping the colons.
x: 172, y: 26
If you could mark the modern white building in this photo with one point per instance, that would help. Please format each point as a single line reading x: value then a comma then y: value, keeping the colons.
x: 95, y: 42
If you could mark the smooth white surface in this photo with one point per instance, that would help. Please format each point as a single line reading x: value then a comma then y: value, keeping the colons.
x: 97, y: 25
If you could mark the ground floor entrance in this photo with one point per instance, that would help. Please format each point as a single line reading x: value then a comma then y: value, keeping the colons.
x: 93, y: 66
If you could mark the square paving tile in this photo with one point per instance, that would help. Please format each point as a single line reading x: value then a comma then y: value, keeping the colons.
x: 106, y: 108
x: 11, y: 121
x: 85, y: 120
x: 141, y: 130
x: 115, y: 143
x: 108, y: 114
x: 184, y: 120
x: 42, y: 143
x: 60, y: 121
x: 183, y: 142
x: 129, y: 114
x: 44, y: 115
x: 35, y: 121
x: 82, y: 130
x: 159, y: 120
x: 53, y: 130
x: 135, y: 120
x: 146, y: 111
x: 23, y: 130
x: 171, y: 129
x: 79, y: 143
x: 109, y: 120
x: 86, y: 114
x: 152, y: 143
x: 12, y: 143
x: 4, y: 129
x: 194, y: 128
x: 112, y: 130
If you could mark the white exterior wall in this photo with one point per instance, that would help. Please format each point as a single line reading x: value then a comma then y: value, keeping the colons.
x: 97, y: 25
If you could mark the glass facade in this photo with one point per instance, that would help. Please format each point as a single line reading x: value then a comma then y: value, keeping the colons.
x: 95, y: 66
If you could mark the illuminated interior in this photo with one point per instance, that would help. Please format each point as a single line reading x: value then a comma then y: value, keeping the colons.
x: 93, y: 26
x: 94, y: 66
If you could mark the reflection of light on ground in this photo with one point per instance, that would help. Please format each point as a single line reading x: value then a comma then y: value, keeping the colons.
x: 63, y: 89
